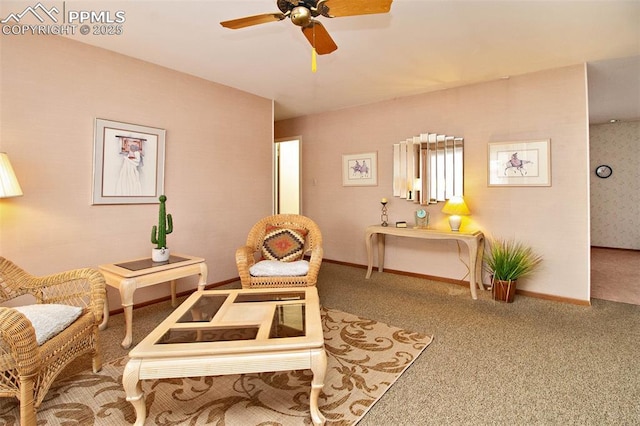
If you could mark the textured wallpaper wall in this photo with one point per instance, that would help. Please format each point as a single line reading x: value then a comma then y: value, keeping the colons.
x: 615, y: 201
x: 553, y: 220
x: 217, y: 171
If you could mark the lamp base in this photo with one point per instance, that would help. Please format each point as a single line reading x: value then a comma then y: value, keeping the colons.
x: 454, y: 222
x: 384, y: 218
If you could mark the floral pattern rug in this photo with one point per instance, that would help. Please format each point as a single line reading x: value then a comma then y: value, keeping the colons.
x: 365, y: 358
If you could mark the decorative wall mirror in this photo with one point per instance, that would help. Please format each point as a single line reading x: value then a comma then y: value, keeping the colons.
x: 428, y: 168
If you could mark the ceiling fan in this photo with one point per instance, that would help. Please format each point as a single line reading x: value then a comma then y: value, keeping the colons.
x: 303, y: 13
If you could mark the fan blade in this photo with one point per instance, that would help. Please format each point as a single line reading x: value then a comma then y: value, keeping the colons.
x: 248, y: 21
x: 321, y: 40
x: 357, y: 7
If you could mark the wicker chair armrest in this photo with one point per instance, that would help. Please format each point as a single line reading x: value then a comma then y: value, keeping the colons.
x: 314, y: 264
x: 18, y: 339
x: 245, y: 256
x: 245, y: 259
x: 78, y: 287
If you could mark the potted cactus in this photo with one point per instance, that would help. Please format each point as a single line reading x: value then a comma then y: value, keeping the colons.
x: 159, y: 233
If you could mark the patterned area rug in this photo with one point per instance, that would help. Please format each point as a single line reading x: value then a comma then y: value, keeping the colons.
x: 365, y: 358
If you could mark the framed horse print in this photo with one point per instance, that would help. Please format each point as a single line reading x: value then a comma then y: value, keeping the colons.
x: 360, y: 169
x: 526, y: 163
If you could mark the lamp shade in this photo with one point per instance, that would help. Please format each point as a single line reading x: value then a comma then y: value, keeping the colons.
x: 9, y: 186
x: 456, y: 206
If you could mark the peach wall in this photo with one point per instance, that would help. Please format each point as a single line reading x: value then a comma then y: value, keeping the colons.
x: 553, y: 220
x: 218, y: 165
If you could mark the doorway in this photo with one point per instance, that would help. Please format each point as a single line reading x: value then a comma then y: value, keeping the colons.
x: 287, y: 175
x: 615, y: 242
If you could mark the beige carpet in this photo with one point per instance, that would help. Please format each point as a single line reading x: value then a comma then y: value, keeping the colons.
x: 365, y: 358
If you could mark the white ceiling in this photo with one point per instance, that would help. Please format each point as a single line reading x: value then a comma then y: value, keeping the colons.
x: 420, y: 46
x: 614, y: 89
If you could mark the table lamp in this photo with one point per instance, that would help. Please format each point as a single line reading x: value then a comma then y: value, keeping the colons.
x: 455, y: 207
x: 9, y: 186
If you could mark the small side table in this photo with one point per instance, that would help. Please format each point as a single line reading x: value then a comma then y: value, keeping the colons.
x: 130, y: 275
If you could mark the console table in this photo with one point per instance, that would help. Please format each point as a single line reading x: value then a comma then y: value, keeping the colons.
x: 130, y: 275
x: 474, y: 241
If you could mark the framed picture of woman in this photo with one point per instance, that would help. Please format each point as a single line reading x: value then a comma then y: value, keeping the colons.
x: 128, y: 163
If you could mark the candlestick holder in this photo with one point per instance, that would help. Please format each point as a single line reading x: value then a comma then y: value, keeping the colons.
x: 384, y: 218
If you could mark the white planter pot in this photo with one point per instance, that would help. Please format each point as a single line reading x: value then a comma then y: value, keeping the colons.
x: 160, y: 255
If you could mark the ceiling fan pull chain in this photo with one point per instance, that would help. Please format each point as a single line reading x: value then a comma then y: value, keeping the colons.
x: 314, y: 55
x: 314, y: 64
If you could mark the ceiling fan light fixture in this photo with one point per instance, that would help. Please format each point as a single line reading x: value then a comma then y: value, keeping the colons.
x: 301, y: 16
x: 303, y: 13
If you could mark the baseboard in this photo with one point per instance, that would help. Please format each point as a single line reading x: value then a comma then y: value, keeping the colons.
x: 554, y: 298
x: 389, y: 271
x: 615, y: 248
x: 466, y: 284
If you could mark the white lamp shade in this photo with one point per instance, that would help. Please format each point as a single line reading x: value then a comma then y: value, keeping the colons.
x: 9, y: 186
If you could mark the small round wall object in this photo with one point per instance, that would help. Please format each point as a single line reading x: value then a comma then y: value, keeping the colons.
x: 603, y: 171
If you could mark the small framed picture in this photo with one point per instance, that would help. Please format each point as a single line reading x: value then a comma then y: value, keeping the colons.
x: 360, y: 169
x: 128, y: 163
x: 525, y: 163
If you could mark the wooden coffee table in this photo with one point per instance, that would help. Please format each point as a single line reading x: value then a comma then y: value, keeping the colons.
x: 217, y: 332
x: 130, y: 275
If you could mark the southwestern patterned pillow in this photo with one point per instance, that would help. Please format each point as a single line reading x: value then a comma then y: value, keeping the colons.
x: 283, y: 244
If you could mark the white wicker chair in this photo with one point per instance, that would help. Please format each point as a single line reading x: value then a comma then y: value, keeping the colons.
x: 26, y: 369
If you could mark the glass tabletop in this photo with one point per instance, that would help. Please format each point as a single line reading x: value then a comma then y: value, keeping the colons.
x: 138, y: 265
x: 213, y: 316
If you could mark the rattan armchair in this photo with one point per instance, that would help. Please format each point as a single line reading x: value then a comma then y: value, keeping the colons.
x: 247, y: 255
x: 26, y: 369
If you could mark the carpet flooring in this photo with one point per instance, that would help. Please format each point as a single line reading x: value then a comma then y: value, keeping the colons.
x: 364, y: 358
x: 531, y: 362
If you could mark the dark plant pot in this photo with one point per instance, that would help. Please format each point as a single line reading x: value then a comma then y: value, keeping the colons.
x: 504, y: 291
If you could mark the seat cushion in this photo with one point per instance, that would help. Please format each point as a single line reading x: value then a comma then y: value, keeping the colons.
x: 283, y: 244
x: 49, y: 319
x: 275, y: 268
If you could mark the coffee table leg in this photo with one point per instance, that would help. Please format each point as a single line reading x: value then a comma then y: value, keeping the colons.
x: 133, y: 390
x: 319, y: 369
x: 173, y: 293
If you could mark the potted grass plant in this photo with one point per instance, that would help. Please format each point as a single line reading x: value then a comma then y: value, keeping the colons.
x: 507, y: 261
